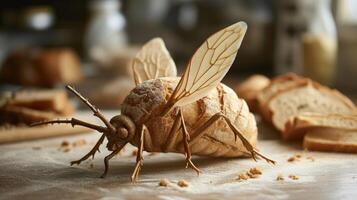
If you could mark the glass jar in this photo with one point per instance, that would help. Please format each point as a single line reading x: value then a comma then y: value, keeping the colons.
x: 105, y: 34
x: 319, y: 43
x: 306, y: 39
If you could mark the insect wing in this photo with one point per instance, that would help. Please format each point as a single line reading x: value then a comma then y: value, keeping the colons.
x: 153, y: 61
x: 209, y: 65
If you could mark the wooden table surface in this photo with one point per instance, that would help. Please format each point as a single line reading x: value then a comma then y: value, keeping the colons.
x: 40, y: 169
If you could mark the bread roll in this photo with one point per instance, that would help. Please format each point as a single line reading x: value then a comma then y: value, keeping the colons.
x: 36, y: 67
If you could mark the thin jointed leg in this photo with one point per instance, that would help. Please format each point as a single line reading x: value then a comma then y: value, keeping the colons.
x: 172, y: 138
x: 91, y: 152
x: 139, y: 156
x: 200, y: 131
x: 186, y: 139
x: 106, y: 161
x: 179, y: 123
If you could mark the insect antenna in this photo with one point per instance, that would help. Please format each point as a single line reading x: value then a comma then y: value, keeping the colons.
x: 95, y: 110
x: 73, y: 122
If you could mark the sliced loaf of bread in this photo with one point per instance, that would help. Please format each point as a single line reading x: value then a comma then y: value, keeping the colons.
x: 296, y: 127
x: 309, y: 97
x: 331, y: 140
x: 250, y: 88
x: 276, y: 86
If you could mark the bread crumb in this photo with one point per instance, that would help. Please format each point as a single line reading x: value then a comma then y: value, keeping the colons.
x: 291, y: 159
x: 65, y: 143
x: 293, y: 177
x: 294, y: 158
x: 252, y: 175
x: 134, y: 153
x: 36, y: 148
x: 243, y: 176
x: 66, y: 150
x: 91, y: 166
x: 280, y: 178
x: 182, y: 183
x: 311, y: 158
x: 255, y: 171
x: 78, y: 143
x: 164, y: 182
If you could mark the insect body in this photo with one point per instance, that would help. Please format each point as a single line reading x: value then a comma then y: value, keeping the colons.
x: 217, y: 140
x: 194, y: 114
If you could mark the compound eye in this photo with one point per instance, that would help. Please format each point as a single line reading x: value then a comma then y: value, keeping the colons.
x: 123, y: 133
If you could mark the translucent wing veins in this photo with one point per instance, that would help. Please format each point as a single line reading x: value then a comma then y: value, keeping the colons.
x: 208, y: 65
x: 153, y: 61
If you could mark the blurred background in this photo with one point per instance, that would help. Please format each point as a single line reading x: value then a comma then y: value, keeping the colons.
x: 90, y: 43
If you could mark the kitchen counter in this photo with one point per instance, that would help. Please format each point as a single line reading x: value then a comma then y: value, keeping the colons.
x: 40, y: 169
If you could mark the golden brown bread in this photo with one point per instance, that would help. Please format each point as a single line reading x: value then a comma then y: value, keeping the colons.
x: 250, y: 88
x: 26, y: 107
x: 276, y: 86
x: 297, y: 126
x: 38, y: 67
x: 22, y: 115
x: 331, y: 140
x: 217, y: 140
x: 310, y: 97
x: 44, y: 100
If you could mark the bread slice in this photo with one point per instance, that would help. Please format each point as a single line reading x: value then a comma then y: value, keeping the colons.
x: 276, y: 86
x: 331, y: 140
x: 250, y: 88
x: 43, y: 100
x: 297, y: 126
x: 21, y: 115
x: 310, y: 97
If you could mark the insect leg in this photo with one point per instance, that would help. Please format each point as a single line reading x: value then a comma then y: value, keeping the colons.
x: 95, y: 110
x: 172, y: 138
x: 106, y: 161
x: 245, y: 142
x: 186, y: 139
x: 139, y: 156
x: 92, y: 152
x: 200, y: 131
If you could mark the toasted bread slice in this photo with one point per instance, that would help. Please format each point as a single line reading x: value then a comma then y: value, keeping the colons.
x: 331, y: 140
x: 310, y: 97
x: 297, y: 126
x: 276, y: 86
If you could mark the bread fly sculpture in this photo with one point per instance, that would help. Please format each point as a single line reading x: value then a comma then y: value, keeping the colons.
x: 192, y: 115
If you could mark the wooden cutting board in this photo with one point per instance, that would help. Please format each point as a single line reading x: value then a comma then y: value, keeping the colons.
x: 17, y: 134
